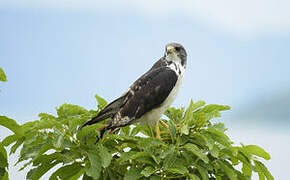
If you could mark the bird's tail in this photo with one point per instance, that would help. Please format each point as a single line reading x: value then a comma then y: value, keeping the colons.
x: 96, y: 120
x: 102, y: 130
x: 108, y: 112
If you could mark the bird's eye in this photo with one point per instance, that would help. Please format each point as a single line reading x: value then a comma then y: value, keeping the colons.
x: 177, y: 48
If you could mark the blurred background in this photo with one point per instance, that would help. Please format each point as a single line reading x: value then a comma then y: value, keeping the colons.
x: 66, y: 51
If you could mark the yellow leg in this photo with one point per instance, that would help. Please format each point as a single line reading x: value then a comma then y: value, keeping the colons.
x: 163, y: 124
x: 157, y: 131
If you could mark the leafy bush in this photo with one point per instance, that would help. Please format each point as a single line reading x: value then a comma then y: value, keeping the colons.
x: 2, y: 75
x: 191, y: 148
x: 3, y: 153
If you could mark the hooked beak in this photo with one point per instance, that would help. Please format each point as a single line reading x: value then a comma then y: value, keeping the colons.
x: 169, y: 50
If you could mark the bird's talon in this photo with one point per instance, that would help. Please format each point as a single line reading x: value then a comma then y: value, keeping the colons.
x: 163, y: 124
x: 157, y: 131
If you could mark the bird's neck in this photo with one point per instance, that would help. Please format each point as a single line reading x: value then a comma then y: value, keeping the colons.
x: 176, y: 59
x: 173, y: 58
x: 176, y: 66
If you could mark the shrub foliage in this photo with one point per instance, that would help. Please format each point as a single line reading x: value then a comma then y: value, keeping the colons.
x: 192, y: 147
x: 2, y: 75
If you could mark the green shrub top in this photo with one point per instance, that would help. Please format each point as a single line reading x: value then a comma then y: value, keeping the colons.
x: 2, y: 75
x: 191, y: 148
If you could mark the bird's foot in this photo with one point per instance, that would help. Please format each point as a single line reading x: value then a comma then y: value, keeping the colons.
x: 163, y: 124
x: 157, y: 130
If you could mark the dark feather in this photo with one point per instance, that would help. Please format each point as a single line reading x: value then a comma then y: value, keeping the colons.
x: 149, y: 92
x: 109, y: 111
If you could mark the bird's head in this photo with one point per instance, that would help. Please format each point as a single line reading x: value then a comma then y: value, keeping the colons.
x: 175, y: 52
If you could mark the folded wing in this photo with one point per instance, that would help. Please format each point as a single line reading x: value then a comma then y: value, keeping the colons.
x: 148, y: 92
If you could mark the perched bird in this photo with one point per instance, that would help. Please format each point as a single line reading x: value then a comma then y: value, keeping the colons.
x: 150, y: 95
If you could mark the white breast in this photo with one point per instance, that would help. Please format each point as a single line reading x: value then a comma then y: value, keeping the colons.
x: 166, y: 104
x: 154, y: 115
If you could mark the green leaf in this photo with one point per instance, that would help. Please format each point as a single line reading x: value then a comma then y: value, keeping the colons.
x: 170, y: 160
x: 125, y: 130
x: 193, y: 177
x: 209, y: 142
x: 78, y: 175
x: 218, y: 136
x: 148, y: 171
x: 47, y: 121
x: 172, y: 130
x: 215, y: 107
x: 101, y: 102
x: 174, y: 115
x: 167, y: 151
x: 215, y: 151
x: 185, y: 129
x: 149, y: 143
x: 10, y: 139
x: 247, y: 170
x: 112, y: 174
x: 86, y: 177
x: 188, y: 116
x: 263, y: 170
x: 89, y: 131
x: 105, y: 156
x: 3, y: 174
x: 258, y: 151
x: 175, y: 164
x: 203, y: 172
x: 261, y: 176
x: 3, y: 159
x: 136, y: 129
x: 94, y: 168
x: 46, y: 159
x: 16, y: 145
x: 196, y: 151
x: 134, y: 173
x: 69, y: 110
x: 155, y: 177
x: 125, y: 156
x: 37, y: 173
x: 144, y: 157
x: 219, y: 126
x: 229, y: 172
x: 193, y: 106
x: 58, y: 139
x: 12, y: 125
x: 71, y: 172
x: 2, y: 75
x: 178, y: 169
x: 33, y: 146
x: 3, y: 151
x: 29, y: 127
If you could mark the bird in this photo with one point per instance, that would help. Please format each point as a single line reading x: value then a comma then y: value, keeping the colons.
x: 149, y: 96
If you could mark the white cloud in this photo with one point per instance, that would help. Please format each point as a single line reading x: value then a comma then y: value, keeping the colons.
x: 239, y: 17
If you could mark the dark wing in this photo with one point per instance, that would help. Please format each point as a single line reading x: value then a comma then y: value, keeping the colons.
x: 160, y: 63
x: 109, y: 111
x: 149, y: 92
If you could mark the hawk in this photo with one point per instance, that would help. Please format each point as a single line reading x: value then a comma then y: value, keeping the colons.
x: 149, y: 96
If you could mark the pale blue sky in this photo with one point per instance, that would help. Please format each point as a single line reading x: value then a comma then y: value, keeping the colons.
x: 55, y: 53
x: 56, y: 57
